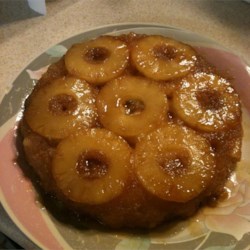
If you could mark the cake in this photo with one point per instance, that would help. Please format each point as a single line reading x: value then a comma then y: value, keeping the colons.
x: 132, y: 130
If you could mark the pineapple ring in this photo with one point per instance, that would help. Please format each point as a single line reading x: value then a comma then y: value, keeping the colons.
x: 162, y: 58
x: 57, y: 109
x: 207, y: 102
x: 169, y: 168
x: 130, y: 105
x: 77, y: 154
x: 97, y: 61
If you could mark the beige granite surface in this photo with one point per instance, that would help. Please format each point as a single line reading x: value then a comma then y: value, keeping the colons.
x: 227, y: 22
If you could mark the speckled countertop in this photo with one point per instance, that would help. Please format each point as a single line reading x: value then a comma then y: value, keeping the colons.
x: 23, y: 39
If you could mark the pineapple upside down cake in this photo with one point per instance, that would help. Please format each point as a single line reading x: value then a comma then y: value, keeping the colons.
x: 132, y: 130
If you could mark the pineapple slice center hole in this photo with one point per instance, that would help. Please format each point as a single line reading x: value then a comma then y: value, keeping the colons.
x: 63, y: 104
x: 96, y: 54
x: 133, y: 107
x: 165, y: 52
x: 92, y: 165
x: 175, y: 162
x: 209, y: 99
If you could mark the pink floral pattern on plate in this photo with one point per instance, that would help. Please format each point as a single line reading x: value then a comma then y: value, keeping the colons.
x: 19, y: 197
x: 232, y: 215
x: 37, y: 74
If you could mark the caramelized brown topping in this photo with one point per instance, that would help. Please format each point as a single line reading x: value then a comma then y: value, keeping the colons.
x: 175, y: 163
x: 164, y: 52
x: 63, y: 104
x: 133, y: 107
x: 97, y: 54
x: 209, y: 99
x: 92, y: 165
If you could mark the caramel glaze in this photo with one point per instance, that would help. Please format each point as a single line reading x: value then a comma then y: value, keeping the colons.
x: 146, y: 210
